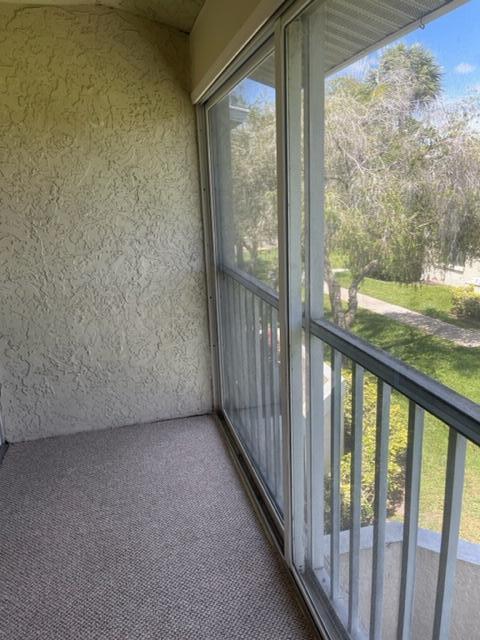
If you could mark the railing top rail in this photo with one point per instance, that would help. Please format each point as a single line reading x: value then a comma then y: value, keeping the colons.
x: 447, y: 405
x: 253, y: 284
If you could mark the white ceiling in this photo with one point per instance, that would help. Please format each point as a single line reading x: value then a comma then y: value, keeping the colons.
x: 180, y: 14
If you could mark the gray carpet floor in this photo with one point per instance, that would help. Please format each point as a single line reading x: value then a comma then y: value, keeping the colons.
x: 137, y: 533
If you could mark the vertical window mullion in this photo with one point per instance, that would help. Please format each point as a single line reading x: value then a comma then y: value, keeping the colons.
x: 314, y: 211
x: 290, y: 223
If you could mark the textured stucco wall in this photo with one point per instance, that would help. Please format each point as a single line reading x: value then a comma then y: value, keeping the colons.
x: 180, y: 14
x: 102, y: 299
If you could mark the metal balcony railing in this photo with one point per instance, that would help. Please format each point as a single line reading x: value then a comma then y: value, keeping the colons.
x: 424, y: 394
x: 250, y: 327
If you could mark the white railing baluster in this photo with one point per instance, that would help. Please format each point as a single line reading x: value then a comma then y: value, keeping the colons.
x: 264, y: 390
x: 248, y: 359
x: 252, y: 346
x: 410, y: 527
x: 335, y: 502
x: 227, y: 384
x: 277, y: 425
x: 236, y: 349
x: 235, y: 364
x: 317, y: 429
x: 380, y: 508
x: 252, y: 372
x: 265, y: 315
x: 244, y: 411
x: 257, y: 385
x: 355, y: 495
x: 452, y: 511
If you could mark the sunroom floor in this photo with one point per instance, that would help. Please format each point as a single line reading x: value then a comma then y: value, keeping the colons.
x: 137, y: 533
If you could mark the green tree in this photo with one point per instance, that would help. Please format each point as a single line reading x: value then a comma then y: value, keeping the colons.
x: 254, y: 184
x: 396, y: 161
x: 413, y: 65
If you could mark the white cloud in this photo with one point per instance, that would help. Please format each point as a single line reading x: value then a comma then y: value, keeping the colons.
x: 464, y: 68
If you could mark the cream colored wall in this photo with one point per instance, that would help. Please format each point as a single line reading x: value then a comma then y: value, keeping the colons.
x: 180, y: 14
x: 102, y: 298
x: 220, y: 31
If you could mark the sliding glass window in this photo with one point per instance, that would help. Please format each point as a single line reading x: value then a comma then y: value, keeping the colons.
x: 382, y: 189
x: 242, y: 130
x: 345, y: 188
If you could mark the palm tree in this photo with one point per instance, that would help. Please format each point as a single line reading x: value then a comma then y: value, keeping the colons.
x: 413, y: 64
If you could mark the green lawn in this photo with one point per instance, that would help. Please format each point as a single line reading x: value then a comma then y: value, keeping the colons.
x: 434, y: 300
x: 457, y: 367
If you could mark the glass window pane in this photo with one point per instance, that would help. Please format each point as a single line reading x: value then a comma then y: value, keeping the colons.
x: 390, y: 125
x: 243, y: 129
x: 243, y: 152
x: 402, y: 192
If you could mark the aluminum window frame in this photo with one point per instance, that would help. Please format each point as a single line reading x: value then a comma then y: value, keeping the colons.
x: 273, y: 38
x: 259, y: 50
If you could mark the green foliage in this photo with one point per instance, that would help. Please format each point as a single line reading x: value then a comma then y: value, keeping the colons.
x: 413, y: 64
x: 263, y: 266
x: 457, y: 367
x: 466, y: 303
x: 403, y: 245
x: 254, y: 187
x: 402, y: 174
x: 434, y: 300
x: 396, y: 455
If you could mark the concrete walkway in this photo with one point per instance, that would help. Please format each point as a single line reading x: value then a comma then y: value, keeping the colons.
x: 432, y: 326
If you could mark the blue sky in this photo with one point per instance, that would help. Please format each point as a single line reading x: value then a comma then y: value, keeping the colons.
x: 454, y: 39
x: 253, y: 91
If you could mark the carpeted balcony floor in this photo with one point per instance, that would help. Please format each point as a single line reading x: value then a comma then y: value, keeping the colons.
x: 136, y: 533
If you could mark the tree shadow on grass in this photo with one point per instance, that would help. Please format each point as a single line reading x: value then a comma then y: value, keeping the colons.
x: 455, y: 366
x: 463, y: 323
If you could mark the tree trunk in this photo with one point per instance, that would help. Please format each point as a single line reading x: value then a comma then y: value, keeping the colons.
x: 344, y: 318
x: 254, y: 256
x: 239, y: 252
x: 334, y: 293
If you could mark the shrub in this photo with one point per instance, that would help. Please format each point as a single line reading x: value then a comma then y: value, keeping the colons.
x: 396, y: 454
x: 466, y: 303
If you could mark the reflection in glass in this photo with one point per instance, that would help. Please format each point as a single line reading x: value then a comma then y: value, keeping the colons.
x: 244, y: 130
